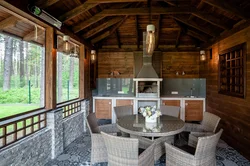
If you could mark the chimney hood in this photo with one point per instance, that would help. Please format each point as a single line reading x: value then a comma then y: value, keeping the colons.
x: 147, y: 70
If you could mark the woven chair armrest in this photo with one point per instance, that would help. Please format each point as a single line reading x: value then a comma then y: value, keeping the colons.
x: 97, y: 140
x: 109, y: 128
x: 174, y: 152
x: 147, y: 156
x: 201, y: 134
x: 192, y: 140
x: 144, y: 143
x: 193, y: 127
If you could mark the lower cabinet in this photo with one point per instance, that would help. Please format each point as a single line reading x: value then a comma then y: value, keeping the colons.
x: 103, y: 108
x: 193, y: 110
x: 171, y: 102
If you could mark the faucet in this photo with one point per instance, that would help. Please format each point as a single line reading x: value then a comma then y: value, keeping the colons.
x: 191, y: 89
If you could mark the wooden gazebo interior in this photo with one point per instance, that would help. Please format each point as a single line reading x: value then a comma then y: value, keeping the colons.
x: 183, y: 28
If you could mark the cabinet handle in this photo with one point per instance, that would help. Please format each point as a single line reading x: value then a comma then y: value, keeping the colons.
x: 109, y: 102
x: 186, y: 103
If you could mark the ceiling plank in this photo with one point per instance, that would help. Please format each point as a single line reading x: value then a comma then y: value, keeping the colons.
x: 170, y: 3
x: 158, y: 28
x: 109, y: 32
x: 199, y: 6
x: 211, y: 19
x: 76, y: 11
x: 101, y: 27
x: 8, y: 22
x: 223, y: 5
x: 178, y: 39
x: 31, y: 36
x: 82, y: 25
x: 195, y: 25
x: 118, y: 38
x: 113, y: 1
x: 145, y: 11
x: 137, y: 32
x: 45, y: 3
x: 197, y: 35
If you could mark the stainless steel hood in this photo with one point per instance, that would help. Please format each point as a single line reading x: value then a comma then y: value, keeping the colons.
x: 147, y: 70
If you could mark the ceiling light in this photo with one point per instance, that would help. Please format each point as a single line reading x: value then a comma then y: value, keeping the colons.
x: 66, y: 44
x: 150, y: 39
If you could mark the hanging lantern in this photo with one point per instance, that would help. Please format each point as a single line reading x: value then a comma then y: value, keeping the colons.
x: 202, y: 55
x: 150, y: 39
x: 93, y: 56
x: 66, y: 44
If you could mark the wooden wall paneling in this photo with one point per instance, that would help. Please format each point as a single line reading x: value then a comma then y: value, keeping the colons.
x: 50, y: 70
x: 173, y: 62
x: 137, y: 62
x: 234, y: 112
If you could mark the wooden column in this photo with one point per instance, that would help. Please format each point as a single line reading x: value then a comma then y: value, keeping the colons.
x: 81, y: 72
x: 50, y: 69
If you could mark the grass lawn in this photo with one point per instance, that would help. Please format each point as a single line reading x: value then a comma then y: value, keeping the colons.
x: 12, y: 109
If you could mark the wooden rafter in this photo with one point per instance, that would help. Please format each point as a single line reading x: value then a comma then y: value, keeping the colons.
x: 197, y: 35
x: 137, y: 32
x: 32, y: 34
x: 82, y: 25
x: 170, y: 3
x: 118, y: 38
x: 109, y: 32
x: 196, y: 26
x: 113, y: 1
x: 211, y: 19
x: 45, y: 3
x: 199, y: 6
x: 178, y: 39
x: 223, y: 5
x: 76, y: 11
x: 101, y: 27
x: 158, y: 28
x: 8, y: 22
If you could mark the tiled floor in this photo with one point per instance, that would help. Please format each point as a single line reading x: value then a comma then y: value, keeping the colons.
x: 78, y: 154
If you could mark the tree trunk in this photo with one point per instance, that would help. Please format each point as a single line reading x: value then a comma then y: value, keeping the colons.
x: 59, y: 77
x: 7, y: 63
x: 71, y: 73
x: 22, y: 77
x: 42, y: 85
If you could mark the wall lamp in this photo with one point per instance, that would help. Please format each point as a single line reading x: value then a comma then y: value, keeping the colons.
x: 93, y: 56
x: 66, y: 44
x: 202, y: 55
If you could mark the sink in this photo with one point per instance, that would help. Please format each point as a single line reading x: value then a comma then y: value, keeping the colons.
x: 191, y: 96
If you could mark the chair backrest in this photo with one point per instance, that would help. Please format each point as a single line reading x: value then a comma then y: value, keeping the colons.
x: 92, y: 123
x: 206, y: 146
x: 121, y: 111
x: 210, y: 121
x: 170, y: 110
x: 121, y: 151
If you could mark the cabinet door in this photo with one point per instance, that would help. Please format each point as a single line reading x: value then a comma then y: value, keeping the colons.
x: 193, y: 110
x: 122, y: 102
x: 103, y: 108
x: 171, y: 102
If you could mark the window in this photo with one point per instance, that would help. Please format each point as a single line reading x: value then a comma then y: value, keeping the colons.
x: 232, y: 71
x: 21, y: 76
x: 67, y: 77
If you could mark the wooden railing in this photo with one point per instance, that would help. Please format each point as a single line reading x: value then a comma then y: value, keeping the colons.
x: 71, y: 107
x: 19, y: 128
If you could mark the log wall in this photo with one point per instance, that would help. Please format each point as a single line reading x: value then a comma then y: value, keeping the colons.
x: 234, y: 112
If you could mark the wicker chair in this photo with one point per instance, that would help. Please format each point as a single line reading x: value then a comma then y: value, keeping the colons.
x: 98, y: 148
x: 170, y: 110
x: 204, y: 154
x: 125, y: 152
x: 121, y: 111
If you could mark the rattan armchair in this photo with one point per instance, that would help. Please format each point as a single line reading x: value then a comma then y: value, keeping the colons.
x: 204, y: 154
x: 98, y: 148
x: 121, y: 111
x: 125, y: 152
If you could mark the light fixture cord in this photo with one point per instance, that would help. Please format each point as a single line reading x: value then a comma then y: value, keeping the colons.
x: 149, y: 11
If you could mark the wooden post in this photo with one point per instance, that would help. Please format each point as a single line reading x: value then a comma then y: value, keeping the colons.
x: 81, y: 72
x: 50, y: 69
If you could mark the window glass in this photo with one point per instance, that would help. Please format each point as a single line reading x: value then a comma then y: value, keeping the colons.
x: 67, y: 77
x: 21, y: 76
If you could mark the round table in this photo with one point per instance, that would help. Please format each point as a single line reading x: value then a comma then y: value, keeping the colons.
x: 165, y: 126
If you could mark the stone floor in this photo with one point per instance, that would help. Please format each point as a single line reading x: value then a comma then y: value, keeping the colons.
x: 78, y: 154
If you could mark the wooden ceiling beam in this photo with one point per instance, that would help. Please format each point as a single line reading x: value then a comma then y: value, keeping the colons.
x: 137, y: 32
x: 109, y: 32
x: 158, y: 28
x: 31, y: 36
x: 145, y: 11
x: 8, y: 22
x: 101, y: 27
x: 76, y: 11
x: 197, y: 35
x: 113, y: 1
x: 195, y: 25
x: 178, y: 39
x: 199, y: 6
x: 118, y: 38
x: 223, y: 5
x: 82, y: 25
x: 170, y: 3
x: 45, y: 3
x: 211, y: 19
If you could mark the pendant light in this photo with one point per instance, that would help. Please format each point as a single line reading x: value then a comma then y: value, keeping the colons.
x: 66, y: 44
x: 150, y: 36
x: 93, y: 56
x: 202, y: 55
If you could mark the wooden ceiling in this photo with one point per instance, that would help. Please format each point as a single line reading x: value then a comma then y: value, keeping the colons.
x: 119, y: 24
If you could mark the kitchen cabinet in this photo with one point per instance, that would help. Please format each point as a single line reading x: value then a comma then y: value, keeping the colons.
x: 171, y: 102
x: 193, y: 110
x: 122, y: 102
x: 103, y: 108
